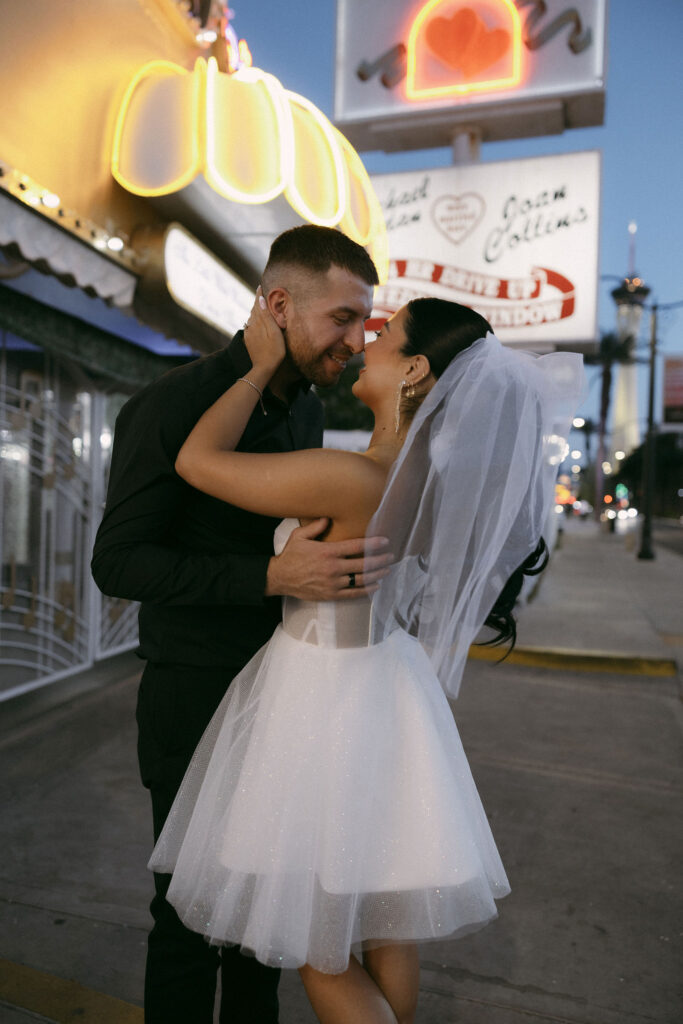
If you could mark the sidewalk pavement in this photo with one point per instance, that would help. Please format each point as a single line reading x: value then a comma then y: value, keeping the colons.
x: 599, y: 607
x: 575, y: 744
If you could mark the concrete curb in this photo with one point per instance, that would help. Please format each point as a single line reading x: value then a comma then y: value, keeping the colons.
x: 60, y: 1000
x: 579, y: 661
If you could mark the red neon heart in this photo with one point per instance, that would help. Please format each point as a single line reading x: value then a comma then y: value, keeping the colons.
x: 464, y: 43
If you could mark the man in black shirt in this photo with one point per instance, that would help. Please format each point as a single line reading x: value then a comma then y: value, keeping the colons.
x: 206, y: 577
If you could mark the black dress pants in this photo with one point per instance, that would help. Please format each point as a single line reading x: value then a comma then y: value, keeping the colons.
x: 175, y: 704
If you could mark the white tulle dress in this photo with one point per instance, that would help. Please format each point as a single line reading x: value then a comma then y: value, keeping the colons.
x: 329, y: 805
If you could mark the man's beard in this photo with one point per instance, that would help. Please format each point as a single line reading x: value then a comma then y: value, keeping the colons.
x: 312, y: 367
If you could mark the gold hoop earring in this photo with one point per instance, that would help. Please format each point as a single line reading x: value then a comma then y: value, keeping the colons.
x: 399, y: 395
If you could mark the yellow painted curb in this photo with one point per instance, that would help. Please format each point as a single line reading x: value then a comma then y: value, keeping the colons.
x: 61, y: 1000
x: 579, y: 661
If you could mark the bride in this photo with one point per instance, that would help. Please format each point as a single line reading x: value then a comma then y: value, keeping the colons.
x: 329, y: 821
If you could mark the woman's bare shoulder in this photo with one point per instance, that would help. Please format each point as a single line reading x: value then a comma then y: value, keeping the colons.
x: 361, y: 481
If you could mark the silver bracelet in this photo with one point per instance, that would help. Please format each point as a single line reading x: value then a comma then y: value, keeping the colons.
x: 256, y: 388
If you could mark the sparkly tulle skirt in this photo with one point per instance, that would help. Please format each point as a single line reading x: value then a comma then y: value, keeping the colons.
x: 329, y: 806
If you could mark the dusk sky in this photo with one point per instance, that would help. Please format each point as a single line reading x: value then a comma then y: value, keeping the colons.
x: 641, y: 140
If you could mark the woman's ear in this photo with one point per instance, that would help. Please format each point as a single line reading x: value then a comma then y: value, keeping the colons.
x: 279, y: 304
x: 418, y: 369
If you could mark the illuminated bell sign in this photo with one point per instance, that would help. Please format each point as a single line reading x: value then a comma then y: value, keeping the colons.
x: 185, y: 291
x: 203, y: 285
x: 251, y: 140
x: 456, y: 48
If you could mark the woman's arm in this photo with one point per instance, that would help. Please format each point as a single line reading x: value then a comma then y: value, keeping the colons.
x: 303, y: 484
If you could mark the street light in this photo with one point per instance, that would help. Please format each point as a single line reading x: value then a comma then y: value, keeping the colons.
x: 646, y: 550
x: 629, y: 297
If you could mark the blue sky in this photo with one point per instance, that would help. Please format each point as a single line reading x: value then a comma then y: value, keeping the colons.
x: 641, y: 139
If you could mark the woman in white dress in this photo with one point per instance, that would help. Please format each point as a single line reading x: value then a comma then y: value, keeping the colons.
x: 329, y: 821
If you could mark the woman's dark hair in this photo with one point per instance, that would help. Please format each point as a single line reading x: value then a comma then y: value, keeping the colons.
x: 500, y: 618
x: 441, y: 330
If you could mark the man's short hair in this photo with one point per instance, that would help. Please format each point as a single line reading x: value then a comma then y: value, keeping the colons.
x: 315, y: 249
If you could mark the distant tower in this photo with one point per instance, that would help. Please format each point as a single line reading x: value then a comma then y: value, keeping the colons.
x: 629, y: 297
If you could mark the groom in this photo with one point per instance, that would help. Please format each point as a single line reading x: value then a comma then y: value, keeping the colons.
x: 206, y: 577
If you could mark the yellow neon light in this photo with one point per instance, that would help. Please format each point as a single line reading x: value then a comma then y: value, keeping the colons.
x: 157, y: 74
x: 357, y: 221
x: 254, y: 165
x: 237, y: 53
x: 319, y: 172
x: 379, y: 247
x: 245, y: 53
x: 251, y: 140
x: 480, y: 37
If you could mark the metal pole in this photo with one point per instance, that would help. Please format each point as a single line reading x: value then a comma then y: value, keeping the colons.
x: 466, y: 146
x: 649, y: 452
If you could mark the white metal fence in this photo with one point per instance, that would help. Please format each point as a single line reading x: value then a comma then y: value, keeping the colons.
x: 55, y: 437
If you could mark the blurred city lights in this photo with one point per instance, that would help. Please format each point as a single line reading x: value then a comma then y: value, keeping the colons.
x: 619, y: 455
x: 14, y: 452
x: 607, y: 468
x: 557, y: 449
x: 576, y: 454
x: 578, y: 422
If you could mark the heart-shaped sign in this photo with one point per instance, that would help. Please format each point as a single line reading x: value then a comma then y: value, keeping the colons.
x: 456, y: 217
x: 464, y: 43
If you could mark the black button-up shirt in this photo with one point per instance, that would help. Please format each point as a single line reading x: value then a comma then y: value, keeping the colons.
x: 196, y: 564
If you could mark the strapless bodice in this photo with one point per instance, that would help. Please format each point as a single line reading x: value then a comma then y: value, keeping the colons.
x: 328, y: 623
x: 323, y: 623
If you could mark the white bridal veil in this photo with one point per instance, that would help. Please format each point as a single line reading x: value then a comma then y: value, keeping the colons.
x: 468, y: 496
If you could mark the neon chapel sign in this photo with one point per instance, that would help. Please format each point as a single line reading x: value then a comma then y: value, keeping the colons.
x: 454, y: 48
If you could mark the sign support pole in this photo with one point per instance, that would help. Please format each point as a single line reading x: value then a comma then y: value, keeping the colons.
x: 466, y: 146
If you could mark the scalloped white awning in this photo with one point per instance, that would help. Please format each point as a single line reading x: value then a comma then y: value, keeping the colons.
x: 74, y: 263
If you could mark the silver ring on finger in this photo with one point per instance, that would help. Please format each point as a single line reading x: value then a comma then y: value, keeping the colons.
x: 352, y: 579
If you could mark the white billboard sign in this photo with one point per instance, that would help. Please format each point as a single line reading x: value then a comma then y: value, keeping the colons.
x: 409, y: 72
x: 517, y: 241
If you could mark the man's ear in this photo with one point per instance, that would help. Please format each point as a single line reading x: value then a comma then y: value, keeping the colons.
x: 279, y: 303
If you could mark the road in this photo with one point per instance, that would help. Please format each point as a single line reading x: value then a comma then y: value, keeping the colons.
x: 578, y: 775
